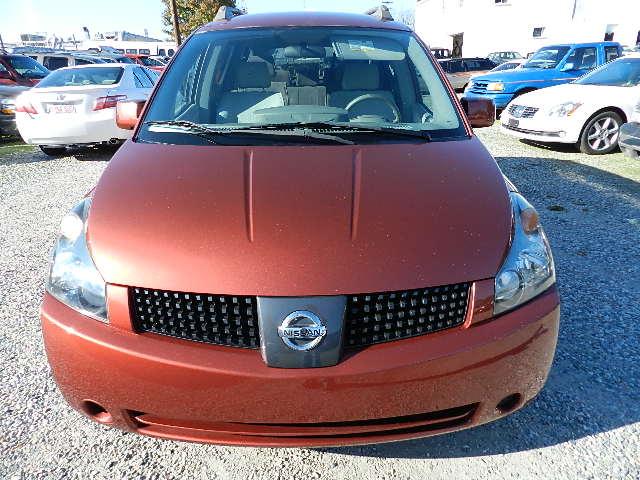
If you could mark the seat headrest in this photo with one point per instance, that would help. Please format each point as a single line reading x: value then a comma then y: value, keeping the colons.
x: 253, y: 75
x: 361, y: 76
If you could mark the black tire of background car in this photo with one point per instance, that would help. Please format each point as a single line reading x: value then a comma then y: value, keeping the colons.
x: 583, y: 143
x: 53, y: 151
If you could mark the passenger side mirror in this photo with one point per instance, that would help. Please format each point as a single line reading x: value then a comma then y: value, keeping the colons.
x: 128, y: 113
x: 481, y: 112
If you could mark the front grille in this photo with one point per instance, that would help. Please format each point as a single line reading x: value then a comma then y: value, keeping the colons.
x: 382, y: 317
x: 219, y: 319
x: 479, y: 87
x: 519, y: 111
x: 233, y: 320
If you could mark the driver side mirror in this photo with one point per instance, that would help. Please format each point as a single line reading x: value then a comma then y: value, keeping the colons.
x: 128, y: 114
x: 481, y: 112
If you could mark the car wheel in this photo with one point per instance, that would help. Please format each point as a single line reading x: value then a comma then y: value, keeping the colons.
x: 53, y: 151
x: 632, y: 154
x: 600, y: 134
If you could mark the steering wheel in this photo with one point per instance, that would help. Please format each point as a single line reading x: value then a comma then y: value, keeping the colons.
x: 375, y: 96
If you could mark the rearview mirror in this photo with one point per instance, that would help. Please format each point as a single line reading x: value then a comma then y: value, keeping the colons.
x: 128, y: 113
x: 481, y: 112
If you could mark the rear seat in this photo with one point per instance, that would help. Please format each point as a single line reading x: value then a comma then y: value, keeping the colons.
x: 253, y: 92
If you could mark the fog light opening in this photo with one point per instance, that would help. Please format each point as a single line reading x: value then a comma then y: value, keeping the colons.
x: 509, y: 403
x: 96, y: 411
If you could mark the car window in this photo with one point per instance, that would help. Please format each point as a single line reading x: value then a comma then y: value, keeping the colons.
x: 624, y: 72
x: 82, y: 61
x: 141, y: 78
x: 273, y: 75
x: 144, y: 51
x: 584, y: 58
x: 547, y: 57
x: 27, y: 66
x: 131, y: 51
x: 610, y: 53
x: 82, y: 76
x: 54, y: 63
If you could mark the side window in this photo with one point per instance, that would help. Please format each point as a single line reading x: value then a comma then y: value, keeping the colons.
x: 141, y: 79
x: 54, y: 63
x: 610, y: 53
x: 132, y: 51
x: 162, y: 52
x: 582, y: 59
x: 145, y: 51
x: 186, y: 95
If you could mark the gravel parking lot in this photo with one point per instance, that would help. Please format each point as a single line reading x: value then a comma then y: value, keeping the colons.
x: 585, y: 424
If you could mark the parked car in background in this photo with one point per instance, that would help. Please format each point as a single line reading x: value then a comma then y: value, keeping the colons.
x: 108, y: 57
x: 272, y: 263
x: 55, y: 60
x: 588, y: 112
x: 147, y: 61
x: 509, y: 65
x: 630, y: 134
x: 16, y: 69
x: 549, y: 66
x: 501, y: 57
x: 8, y: 95
x: 162, y: 60
x: 460, y: 70
x: 76, y: 105
x: 441, y: 53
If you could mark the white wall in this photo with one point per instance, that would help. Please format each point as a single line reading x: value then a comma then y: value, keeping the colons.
x: 488, y: 26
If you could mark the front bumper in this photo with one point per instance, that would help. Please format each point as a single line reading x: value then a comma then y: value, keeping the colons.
x: 630, y: 136
x: 170, y: 388
x: 8, y: 125
x: 542, y: 128
x: 501, y: 100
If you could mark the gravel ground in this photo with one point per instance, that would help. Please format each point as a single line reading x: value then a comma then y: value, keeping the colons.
x: 585, y: 424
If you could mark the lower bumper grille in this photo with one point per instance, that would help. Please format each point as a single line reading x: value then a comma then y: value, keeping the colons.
x: 233, y: 320
x: 290, y: 433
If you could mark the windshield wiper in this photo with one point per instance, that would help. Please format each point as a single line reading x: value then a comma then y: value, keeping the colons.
x: 343, y: 127
x: 208, y: 132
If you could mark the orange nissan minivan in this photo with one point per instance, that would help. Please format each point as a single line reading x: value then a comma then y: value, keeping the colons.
x: 304, y: 244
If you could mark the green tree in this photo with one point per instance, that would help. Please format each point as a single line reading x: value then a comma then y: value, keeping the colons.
x: 191, y: 14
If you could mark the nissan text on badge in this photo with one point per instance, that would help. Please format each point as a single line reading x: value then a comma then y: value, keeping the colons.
x: 303, y: 244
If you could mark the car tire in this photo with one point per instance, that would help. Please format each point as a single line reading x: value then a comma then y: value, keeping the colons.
x: 600, y: 134
x: 631, y: 153
x: 53, y: 151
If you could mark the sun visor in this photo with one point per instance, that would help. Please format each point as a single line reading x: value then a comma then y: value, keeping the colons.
x: 372, y: 48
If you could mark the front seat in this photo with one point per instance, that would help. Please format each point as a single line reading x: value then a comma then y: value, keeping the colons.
x: 362, y: 78
x: 252, y: 92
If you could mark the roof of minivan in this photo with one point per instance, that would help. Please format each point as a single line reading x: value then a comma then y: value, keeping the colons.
x: 302, y: 19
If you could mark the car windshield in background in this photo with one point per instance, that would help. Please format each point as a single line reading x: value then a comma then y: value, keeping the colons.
x: 547, y: 57
x: 27, y: 66
x: 260, y: 78
x: 624, y: 72
x: 77, y: 77
x: 150, y: 62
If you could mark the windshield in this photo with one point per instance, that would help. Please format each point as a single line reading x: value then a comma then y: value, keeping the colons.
x: 547, y: 57
x: 150, y: 62
x: 77, y: 77
x: 624, y: 72
x: 260, y: 77
x: 27, y: 67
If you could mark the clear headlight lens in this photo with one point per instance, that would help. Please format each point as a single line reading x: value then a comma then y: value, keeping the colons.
x: 528, y: 269
x: 564, y: 109
x: 73, y: 278
x: 495, y: 87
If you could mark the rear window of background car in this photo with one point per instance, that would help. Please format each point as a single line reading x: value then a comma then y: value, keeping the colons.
x: 76, y: 77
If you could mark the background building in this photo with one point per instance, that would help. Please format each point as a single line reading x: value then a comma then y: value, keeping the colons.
x: 484, y: 26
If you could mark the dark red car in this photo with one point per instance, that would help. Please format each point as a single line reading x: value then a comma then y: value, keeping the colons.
x: 147, y: 61
x: 20, y: 70
x: 304, y: 244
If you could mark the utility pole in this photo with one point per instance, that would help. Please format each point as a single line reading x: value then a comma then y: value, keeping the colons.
x: 1, y: 43
x: 176, y: 25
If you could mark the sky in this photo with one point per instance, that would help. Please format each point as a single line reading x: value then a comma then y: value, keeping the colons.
x: 66, y: 17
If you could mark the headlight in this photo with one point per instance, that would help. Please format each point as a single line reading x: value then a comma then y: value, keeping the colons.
x: 564, y: 109
x: 495, y: 87
x: 7, y: 106
x: 528, y: 269
x: 73, y: 278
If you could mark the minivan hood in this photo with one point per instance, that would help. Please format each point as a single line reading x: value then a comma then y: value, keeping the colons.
x: 295, y: 221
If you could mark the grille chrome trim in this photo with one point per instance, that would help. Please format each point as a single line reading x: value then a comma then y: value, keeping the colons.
x: 521, y: 111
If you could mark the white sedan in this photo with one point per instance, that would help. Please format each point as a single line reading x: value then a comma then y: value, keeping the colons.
x: 587, y: 112
x: 76, y: 105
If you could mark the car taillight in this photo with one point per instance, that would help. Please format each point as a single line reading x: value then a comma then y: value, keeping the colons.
x: 25, y: 106
x: 110, y: 101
